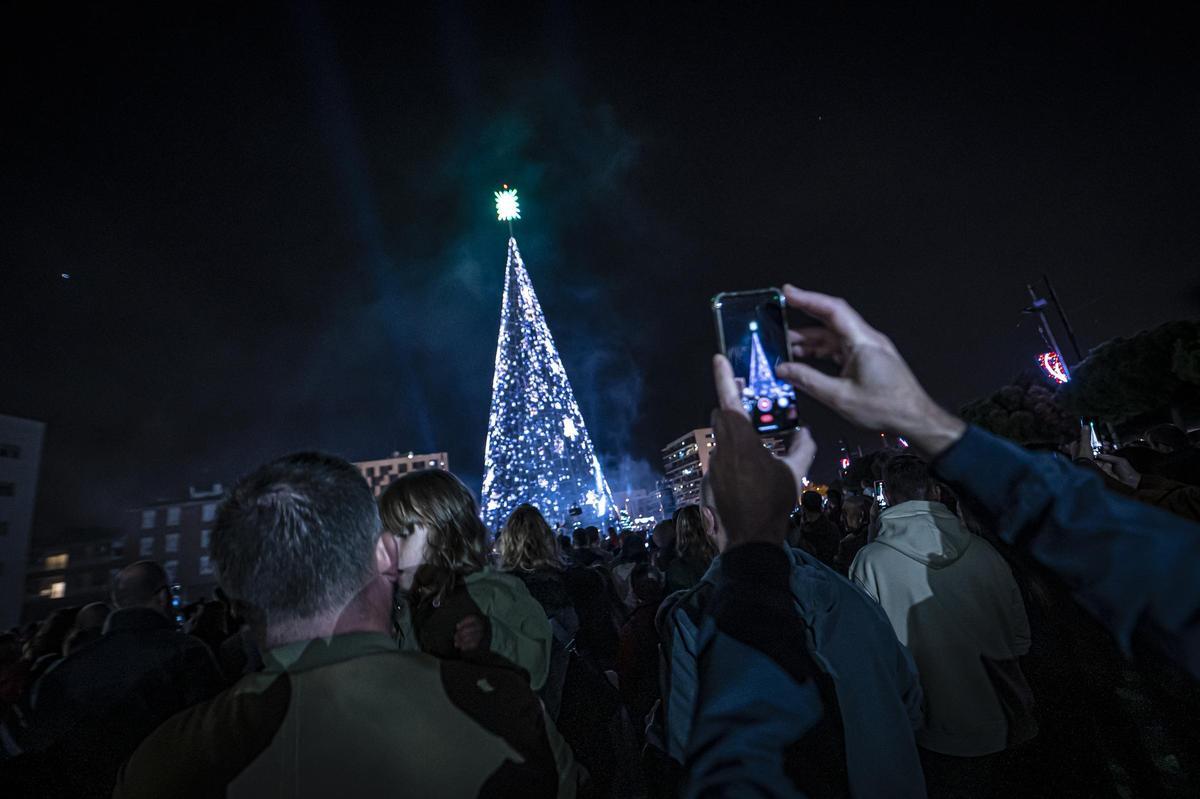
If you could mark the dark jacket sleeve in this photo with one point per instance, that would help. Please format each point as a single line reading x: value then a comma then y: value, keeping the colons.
x: 766, y: 723
x: 1133, y: 567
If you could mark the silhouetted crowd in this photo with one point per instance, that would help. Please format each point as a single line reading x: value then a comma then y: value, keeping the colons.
x: 994, y: 622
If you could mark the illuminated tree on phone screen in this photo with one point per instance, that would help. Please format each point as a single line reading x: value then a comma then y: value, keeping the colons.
x: 538, y: 449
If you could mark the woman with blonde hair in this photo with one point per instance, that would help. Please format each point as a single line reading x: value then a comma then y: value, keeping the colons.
x: 694, y: 550
x: 450, y: 602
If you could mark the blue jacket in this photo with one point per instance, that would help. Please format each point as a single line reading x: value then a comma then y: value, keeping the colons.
x: 843, y: 633
x: 1134, y: 567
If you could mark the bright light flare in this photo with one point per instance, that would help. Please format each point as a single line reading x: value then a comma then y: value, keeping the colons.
x: 508, y: 207
x: 1054, y: 367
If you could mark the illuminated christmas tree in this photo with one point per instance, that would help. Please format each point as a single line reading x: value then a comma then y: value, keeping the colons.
x: 538, y: 449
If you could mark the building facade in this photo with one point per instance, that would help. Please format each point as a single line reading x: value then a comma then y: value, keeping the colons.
x: 178, y: 535
x: 685, y: 462
x: 20, y: 459
x: 77, y: 570
x: 381, y: 473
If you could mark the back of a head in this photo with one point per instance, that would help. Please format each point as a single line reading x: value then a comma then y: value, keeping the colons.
x: 296, y: 538
x: 1167, y: 438
x: 92, y: 616
x: 527, y: 542
x: 663, y: 534
x: 646, y: 582
x: 457, y: 543
x: 811, y: 501
x: 691, y: 539
x: 141, y: 585
x: 580, y: 538
x: 1143, y: 459
x: 52, y: 632
x: 593, y: 533
x: 906, y: 478
x: 633, y: 546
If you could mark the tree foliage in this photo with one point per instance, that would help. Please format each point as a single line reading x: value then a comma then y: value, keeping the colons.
x: 1026, y: 412
x: 1148, y: 374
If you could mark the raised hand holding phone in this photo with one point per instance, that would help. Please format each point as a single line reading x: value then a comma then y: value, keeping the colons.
x: 755, y: 490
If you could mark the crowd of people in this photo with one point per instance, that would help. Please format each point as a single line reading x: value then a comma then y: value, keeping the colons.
x: 996, y: 622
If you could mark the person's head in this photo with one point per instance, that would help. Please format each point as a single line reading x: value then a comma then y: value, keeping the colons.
x: 580, y: 538
x: 663, y: 534
x: 712, y: 520
x: 1144, y: 459
x: 299, y: 550
x: 51, y: 633
x: 1166, y: 438
x: 527, y: 542
x: 142, y: 585
x: 691, y: 534
x: 810, y: 501
x: 834, y: 495
x: 564, y: 542
x: 633, y: 546
x: 92, y: 616
x: 855, y: 513
x: 906, y: 478
x: 441, y: 537
x: 593, y: 533
x: 646, y: 582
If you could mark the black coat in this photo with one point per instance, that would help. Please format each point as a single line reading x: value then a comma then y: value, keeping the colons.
x: 92, y: 709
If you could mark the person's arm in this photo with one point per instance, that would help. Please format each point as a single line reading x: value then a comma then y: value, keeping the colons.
x: 1131, y: 565
x: 517, y: 626
x: 765, y: 725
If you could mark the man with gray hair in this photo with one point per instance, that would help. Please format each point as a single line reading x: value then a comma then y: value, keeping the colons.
x: 300, y: 550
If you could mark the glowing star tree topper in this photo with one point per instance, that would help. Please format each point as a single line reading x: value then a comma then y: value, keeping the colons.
x: 538, y: 449
x: 508, y: 207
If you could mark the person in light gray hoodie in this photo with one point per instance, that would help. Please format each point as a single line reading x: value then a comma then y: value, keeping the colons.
x: 952, y: 600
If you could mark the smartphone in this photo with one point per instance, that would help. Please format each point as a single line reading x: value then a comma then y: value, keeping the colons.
x: 752, y: 333
x: 880, y: 497
x: 1093, y: 439
x: 177, y: 603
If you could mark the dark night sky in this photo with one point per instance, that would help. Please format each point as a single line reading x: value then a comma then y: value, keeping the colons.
x: 278, y: 228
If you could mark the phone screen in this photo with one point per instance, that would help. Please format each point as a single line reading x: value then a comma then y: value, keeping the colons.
x: 751, y: 327
x: 880, y: 497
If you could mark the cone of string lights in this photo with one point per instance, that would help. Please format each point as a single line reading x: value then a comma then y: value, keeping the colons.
x: 538, y: 449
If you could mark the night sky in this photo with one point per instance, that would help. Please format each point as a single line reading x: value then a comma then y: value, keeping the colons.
x: 278, y: 228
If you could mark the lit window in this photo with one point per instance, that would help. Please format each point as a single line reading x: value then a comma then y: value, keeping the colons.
x: 171, y: 567
x: 58, y: 590
x: 171, y: 542
x: 148, y: 520
x: 146, y: 549
x: 208, y: 512
x: 205, y: 538
x: 433, y: 463
x: 58, y: 561
x: 173, y: 517
x: 206, y: 565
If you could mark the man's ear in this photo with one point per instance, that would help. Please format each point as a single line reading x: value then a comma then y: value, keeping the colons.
x: 387, y: 556
x: 710, y: 521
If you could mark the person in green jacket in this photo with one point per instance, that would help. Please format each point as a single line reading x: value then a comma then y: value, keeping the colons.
x: 450, y: 602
